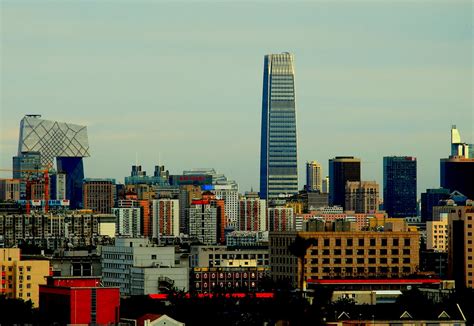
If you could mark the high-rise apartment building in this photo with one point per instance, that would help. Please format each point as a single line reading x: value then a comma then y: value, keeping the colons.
x: 461, y: 246
x: 204, y: 222
x: 187, y: 193
x: 65, y: 142
x: 437, y: 234
x: 278, y: 149
x: 26, y: 166
x: 230, y: 194
x: 399, y: 186
x: 128, y: 221
x: 313, y: 176
x: 362, y: 197
x: 252, y: 214
x: 281, y: 219
x: 165, y: 217
x: 99, y: 195
x: 341, y: 170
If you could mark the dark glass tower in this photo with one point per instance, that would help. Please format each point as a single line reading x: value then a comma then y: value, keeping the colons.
x: 457, y: 173
x: 429, y: 199
x: 74, y: 170
x: 341, y: 170
x: 278, y: 150
x: 399, y: 186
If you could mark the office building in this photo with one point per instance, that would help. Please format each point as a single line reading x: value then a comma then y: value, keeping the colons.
x: 362, y: 197
x: 65, y: 142
x: 128, y: 221
x: 247, y: 239
x: 278, y: 149
x: 461, y: 246
x: 165, y: 217
x: 252, y: 214
x: 79, y: 301
x: 58, y: 186
x: 9, y: 189
x: 313, y: 176
x: 99, y: 195
x: 137, y: 176
x: 341, y: 170
x: 457, y: 173
x: 21, y: 278
x: 281, y: 219
x: 430, y: 199
x: 399, y: 186
x: 138, y: 267
x: 27, y: 166
x: 344, y: 254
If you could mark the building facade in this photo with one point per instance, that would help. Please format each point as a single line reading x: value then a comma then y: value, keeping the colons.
x: 128, y: 221
x: 341, y: 170
x: 252, y: 214
x: 437, y: 234
x: 165, y: 217
x: 399, y: 186
x: 281, y: 219
x: 313, y: 176
x: 278, y: 158
x: 457, y: 173
x: 99, y: 195
x: 430, y: 199
x: 21, y: 278
x: 9, y: 189
x: 362, y: 197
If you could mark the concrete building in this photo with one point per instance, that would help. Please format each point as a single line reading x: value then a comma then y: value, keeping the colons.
x: 437, y: 234
x: 313, y: 176
x: 252, y: 214
x: 9, y: 189
x: 355, y: 254
x: 128, y: 221
x: 461, y: 246
x: 138, y: 267
x: 187, y: 193
x: 281, y: 219
x: 362, y: 197
x: 76, y: 263
x: 99, y: 195
x: 341, y: 170
x: 165, y: 217
x: 21, y: 278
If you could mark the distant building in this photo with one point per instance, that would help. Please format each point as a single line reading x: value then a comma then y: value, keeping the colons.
x: 21, y: 278
x: 138, y: 267
x: 128, y: 221
x: 399, y: 186
x: 313, y: 176
x: 26, y: 166
x: 281, y: 219
x: 58, y: 186
x: 362, y: 196
x: 165, y: 217
x: 457, y: 173
x: 325, y: 185
x: 99, y: 195
x: 160, y: 176
x: 247, y: 238
x: 460, y: 246
x: 187, y: 193
x: 341, y: 170
x: 79, y: 300
x: 278, y: 149
x: 9, y: 189
x: 437, y: 234
x: 431, y: 198
x: 207, y: 221
x: 230, y: 194
x: 458, y: 148
x: 252, y: 214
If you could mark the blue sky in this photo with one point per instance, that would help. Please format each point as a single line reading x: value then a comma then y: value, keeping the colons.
x: 183, y: 80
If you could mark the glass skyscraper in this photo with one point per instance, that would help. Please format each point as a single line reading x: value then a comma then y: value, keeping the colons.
x: 399, y: 186
x: 278, y: 151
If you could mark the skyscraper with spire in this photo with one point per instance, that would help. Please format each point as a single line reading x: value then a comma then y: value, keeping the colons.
x: 278, y: 150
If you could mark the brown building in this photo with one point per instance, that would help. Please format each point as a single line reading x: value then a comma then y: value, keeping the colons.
x: 99, y: 195
x: 461, y: 246
x: 9, y: 189
x: 331, y: 254
x: 362, y: 196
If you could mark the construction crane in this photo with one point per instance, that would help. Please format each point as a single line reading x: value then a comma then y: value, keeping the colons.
x: 45, y: 172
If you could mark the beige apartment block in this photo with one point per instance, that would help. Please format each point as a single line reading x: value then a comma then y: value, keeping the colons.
x: 21, y: 278
x: 437, y: 234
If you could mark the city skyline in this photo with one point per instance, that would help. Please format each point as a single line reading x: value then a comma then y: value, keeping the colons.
x: 395, y: 76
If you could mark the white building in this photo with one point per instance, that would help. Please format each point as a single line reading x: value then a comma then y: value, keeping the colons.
x: 128, y: 221
x: 138, y: 267
x: 230, y: 194
x: 165, y: 219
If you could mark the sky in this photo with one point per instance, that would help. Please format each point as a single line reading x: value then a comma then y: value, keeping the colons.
x: 180, y: 83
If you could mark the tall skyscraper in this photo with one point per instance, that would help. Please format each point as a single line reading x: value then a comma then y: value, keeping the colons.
x: 65, y: 142
x: 278, y: 149
x: 399, y: 186
x: 341, y: 170
x: 313, y: 176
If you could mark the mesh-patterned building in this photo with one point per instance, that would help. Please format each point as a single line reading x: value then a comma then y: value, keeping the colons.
x: 67, y: 143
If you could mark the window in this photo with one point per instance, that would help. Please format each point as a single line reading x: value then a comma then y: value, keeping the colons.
x: 406, y: 242
x: 395, y: 242
x: 406, y: 251
x: 153, y: 257
x: 348, y: 251
x: 326, y: 242
x: 338, y: 242
x: 394, y: 251
x: 372, y: 242
x: 361, y: 242
x: 349, y: 242
x: 372, y: 252
x: 384, y: 242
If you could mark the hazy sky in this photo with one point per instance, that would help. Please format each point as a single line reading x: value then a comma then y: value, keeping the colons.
x: 183, y: 81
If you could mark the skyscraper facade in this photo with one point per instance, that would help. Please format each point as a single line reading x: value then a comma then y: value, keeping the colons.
x: 278, y: 149
x: 399, y: 186
x: 457, y: 173
x: 362, y: 197
x: 313, y: 176
x: 341, y: 170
